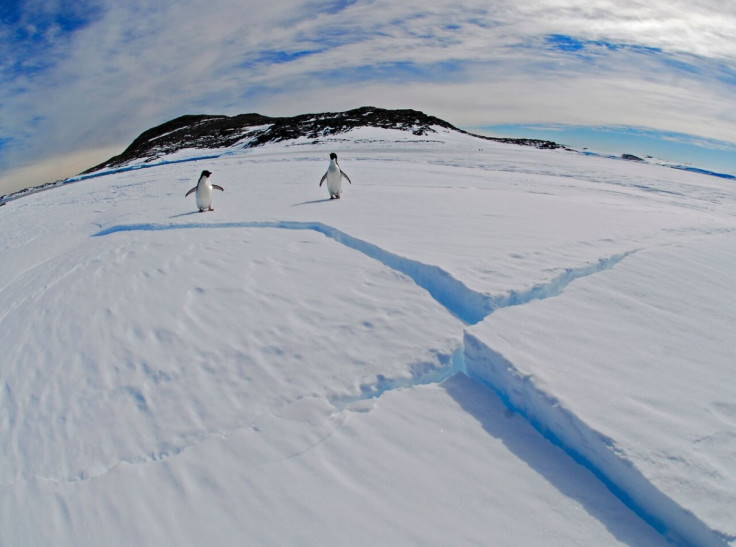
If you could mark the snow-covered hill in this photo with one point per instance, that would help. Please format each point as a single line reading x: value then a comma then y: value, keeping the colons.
x: 479, y: 344
x: 218, y: 134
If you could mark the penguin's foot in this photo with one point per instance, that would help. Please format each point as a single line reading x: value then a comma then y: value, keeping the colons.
x: 201, y: 210
x: 210, y: 209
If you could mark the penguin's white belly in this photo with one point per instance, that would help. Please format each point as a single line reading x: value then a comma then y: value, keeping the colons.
x: 334, y: 180
x: 203, y: 196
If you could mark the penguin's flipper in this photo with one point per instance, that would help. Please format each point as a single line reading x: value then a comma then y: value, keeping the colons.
x: 344, y: 175
x: 323, y: 179
x: 190, y: 191
x: 217, y: 187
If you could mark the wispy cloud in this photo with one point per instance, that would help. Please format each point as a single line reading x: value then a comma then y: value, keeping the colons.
x: 98, y: 72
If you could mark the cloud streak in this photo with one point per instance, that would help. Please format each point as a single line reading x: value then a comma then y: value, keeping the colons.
x: 100, y: 74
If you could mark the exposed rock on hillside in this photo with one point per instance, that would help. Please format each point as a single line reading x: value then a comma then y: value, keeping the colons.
x: 631, y: 157
x: 213, y: 132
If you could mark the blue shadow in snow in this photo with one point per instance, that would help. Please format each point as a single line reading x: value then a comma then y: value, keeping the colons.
x: 312, y: 202
x: 465, y: 304
x: 468, y: 305
x: 501, y: 421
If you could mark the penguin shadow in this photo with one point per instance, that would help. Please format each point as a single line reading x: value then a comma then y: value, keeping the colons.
x: 186, y: 214
x: 312, y: 202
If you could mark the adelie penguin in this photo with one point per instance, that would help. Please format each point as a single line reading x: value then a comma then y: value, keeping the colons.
x: 203, y: 191
x: 334, y: 176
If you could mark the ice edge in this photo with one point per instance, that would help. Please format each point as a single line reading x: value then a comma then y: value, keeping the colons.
x: 591, y: 449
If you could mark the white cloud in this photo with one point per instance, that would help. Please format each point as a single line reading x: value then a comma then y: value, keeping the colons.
x: 53, y: 168
x: 134, y: 65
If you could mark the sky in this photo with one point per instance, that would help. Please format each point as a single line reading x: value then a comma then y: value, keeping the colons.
x: 79, y: 80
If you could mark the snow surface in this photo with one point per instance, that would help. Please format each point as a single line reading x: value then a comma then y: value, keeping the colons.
x: 479, y: 344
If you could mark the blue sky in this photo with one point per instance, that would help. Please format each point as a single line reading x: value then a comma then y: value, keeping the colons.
x: 663, y: 146
x: 79, y: 80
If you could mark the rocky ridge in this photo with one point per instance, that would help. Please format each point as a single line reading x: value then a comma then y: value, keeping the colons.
x: 214, y: 131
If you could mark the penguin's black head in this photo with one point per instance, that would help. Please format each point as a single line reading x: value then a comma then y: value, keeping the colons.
x: 333, y: 156
x: 205, y: 173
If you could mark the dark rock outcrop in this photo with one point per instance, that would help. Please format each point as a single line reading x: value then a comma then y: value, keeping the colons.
x: 631, y: 157
x: 212, y: 132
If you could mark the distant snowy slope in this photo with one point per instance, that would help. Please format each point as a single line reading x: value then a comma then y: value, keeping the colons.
x: 478, y: 344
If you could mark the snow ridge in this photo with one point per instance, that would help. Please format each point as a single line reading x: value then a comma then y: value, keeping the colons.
x: 589, y: 448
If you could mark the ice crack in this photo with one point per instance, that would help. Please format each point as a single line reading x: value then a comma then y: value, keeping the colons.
x: 543, y: 411
x: 588, y: 447
x: 466, y: 304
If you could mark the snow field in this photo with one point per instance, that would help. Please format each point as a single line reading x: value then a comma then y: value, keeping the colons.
x: 252, y: 374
